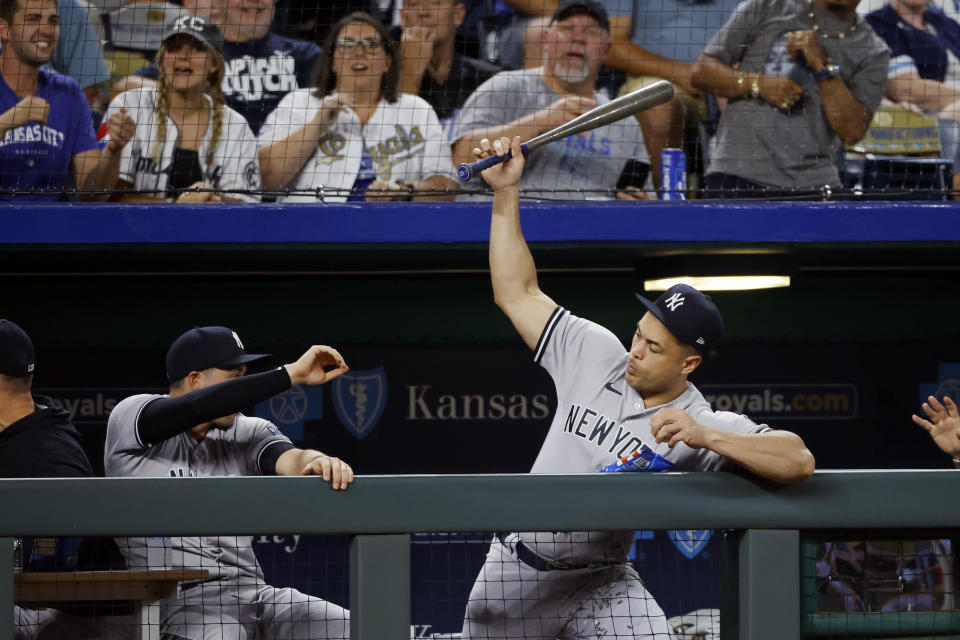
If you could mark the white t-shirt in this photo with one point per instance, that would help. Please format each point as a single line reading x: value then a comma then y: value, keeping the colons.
x: 404, y: 139
x: 234, y: 165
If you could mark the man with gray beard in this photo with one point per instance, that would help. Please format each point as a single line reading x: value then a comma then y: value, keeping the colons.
x: 607, y: 162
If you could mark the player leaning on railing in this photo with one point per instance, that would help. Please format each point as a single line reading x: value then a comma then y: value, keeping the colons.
x: 610, y: 403
x: 197, y: 430
x: 46, y: 130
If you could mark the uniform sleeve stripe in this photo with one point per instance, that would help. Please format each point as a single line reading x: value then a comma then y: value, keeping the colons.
x: 547, y: 333
x: 136, y: 423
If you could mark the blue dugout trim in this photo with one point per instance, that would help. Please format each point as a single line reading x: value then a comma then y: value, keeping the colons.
x: 683, y: 222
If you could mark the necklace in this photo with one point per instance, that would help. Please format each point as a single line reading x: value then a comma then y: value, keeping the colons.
x: 833, y: 36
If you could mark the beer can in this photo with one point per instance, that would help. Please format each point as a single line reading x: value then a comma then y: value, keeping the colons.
x: 673, y: 174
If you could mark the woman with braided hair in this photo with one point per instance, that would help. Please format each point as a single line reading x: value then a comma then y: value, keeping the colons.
x: 178, y: 140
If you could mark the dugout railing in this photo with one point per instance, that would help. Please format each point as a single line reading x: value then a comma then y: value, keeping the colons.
x: 766, y: 570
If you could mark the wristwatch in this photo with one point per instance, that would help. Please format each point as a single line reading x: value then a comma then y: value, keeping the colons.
x: 828, y: 72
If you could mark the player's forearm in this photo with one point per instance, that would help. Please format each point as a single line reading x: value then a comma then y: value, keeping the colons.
x: 292, y: 461
x: 780, y: 456
x: 281, y: 161
x: 167, y: 417
x: 512, y: 269
x: 848, y: 118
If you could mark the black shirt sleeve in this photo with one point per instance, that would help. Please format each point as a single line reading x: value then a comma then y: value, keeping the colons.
x: 270, y: 455
x: 166, y: 417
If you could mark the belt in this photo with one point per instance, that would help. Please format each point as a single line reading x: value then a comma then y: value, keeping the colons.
x: 186, y: 586
x: 534, y: 560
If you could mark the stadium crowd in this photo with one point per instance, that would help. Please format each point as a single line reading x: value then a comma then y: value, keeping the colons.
x: 227, y: 106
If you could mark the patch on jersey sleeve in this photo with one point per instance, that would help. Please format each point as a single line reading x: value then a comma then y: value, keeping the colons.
x: 274, y: 431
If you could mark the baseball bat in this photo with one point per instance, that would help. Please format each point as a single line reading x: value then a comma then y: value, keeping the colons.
x: 648, y: 97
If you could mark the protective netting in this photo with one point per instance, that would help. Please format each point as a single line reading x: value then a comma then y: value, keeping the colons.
x: 370, y: 101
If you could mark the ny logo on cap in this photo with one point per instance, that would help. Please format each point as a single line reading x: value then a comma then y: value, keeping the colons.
x: 674, y: 301
x: 30, y: 368
x: 193, y: 23
x: 237, y: 338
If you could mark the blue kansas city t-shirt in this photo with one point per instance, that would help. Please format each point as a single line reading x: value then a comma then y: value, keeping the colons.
x: 37, y: 156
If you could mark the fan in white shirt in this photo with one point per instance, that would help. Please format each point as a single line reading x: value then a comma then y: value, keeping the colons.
x: 353, y: 137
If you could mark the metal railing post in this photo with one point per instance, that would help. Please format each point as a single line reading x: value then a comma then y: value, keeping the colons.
x: 380, y: 587
x: 769, y: 585
x: 6, y: 588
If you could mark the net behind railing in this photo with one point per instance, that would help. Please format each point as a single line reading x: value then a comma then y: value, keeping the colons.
x: 267, y: 100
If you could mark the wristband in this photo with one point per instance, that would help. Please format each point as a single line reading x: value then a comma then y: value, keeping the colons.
x: 828, y: 72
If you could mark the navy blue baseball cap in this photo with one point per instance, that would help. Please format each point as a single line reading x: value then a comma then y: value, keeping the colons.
x: 591, y: 8
x: 689, y: 315
x: 16, y: 351
x: 205, y: 347
x: 201, y: 29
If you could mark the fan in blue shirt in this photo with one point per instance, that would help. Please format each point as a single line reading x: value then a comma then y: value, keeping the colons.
x: 46, y: 130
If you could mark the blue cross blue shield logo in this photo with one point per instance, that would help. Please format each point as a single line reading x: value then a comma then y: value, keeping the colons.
x: 359, y: 398
x: 289, y: 409
x: 690, y: 542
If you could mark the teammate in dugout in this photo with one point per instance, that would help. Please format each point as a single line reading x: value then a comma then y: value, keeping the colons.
x: 196, y: 430
x: 354, y: 136
x: 610, y: 402
x: 179, y: 139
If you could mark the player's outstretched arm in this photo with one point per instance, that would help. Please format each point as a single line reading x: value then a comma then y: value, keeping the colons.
x: 167, y: 417
x: 780, y: 456
x: 943, y: 424
x: 512, y: 270
x: 310, y: 462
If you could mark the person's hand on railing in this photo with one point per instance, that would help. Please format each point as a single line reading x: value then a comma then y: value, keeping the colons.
x: 943, y: 425
x: 334, y: 470
x: 386, y: 190
x: 202, y: 192
x: 631, y: 192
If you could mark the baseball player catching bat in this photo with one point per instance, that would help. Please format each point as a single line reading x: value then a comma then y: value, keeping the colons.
x: 624, y: 106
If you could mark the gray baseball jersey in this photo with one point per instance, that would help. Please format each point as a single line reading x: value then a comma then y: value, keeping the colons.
x: 599, y: 419
x: 573, y: 168
x: 223, y: 452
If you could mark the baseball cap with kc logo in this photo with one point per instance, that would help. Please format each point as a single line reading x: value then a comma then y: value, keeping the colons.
x: 689, y: 315
x: 200, y: 29
x: 205, y: 347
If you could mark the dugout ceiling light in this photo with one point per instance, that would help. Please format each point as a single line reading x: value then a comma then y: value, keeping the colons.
x: 738, y: 270
x: 719, y: 283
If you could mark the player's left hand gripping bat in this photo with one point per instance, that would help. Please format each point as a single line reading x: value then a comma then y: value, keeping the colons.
x: 640, y: 100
